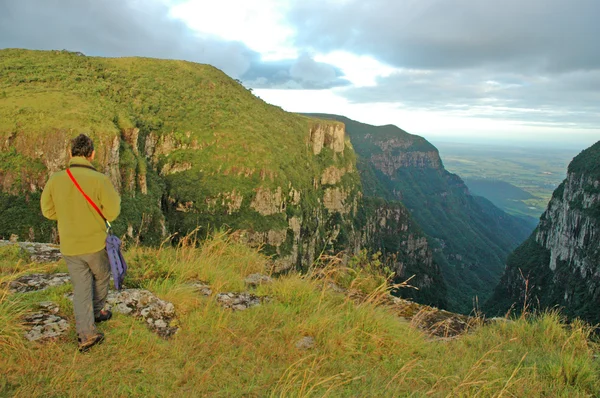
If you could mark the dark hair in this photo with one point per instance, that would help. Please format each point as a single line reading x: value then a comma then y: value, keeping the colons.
x: 82, y: 145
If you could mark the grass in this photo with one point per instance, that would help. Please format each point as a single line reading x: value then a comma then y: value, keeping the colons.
x: 361, y: 349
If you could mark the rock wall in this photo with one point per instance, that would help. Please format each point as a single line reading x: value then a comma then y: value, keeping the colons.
x: 559, y: 265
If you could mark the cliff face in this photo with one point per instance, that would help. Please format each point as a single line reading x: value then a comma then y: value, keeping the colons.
x: 559, y: 265
x: 387, y: 227
x: 469, y: 237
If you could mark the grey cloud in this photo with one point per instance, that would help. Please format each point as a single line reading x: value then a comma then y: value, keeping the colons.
x: 568, y: 98
x: 550, y: 35
x: 301, y: 73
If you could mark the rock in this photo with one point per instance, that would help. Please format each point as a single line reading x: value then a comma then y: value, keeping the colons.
x: 433, y: 321
x: 305, y: 343
x: 46, y: 324
x: 36, y: 282
x: 39, y: 252
x: 158, y: 314
x: 239, y: 301
x: 254, y: 280
x: 202, y: 287
x: 49, y: 307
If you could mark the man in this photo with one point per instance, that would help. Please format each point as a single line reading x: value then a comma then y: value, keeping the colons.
x: 82, y: 234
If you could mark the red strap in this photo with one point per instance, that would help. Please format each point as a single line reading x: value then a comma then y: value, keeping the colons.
x: 83, y: 193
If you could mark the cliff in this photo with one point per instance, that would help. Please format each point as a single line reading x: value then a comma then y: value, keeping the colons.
x: 189, y: 149
x: 559, y: 264
x: 469, y: 237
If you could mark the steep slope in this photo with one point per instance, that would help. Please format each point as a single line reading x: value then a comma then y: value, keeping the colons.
x: 559, y: 265
x: 189, y: 148
x: 470, y: 236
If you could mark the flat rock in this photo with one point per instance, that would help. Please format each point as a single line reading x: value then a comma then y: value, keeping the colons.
x: 36, y: 282
x: 254, y: 280
x: 434, y: 322
x: 46, y: 324
x: 39, y: 252
x: 202, y: 287
x: 158, y: 314
x: 305, y: 343
x: 239, y: 301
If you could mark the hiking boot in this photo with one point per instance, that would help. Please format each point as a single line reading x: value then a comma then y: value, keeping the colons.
x: 102, y: 316
x: 84, y: 346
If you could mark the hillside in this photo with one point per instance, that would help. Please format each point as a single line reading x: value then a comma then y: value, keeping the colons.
x: 191, y: 149
x: 470, y: 236
x: 293, y: 336
x: 557, y: 266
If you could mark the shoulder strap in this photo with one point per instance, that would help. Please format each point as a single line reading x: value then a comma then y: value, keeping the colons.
x: 91, y: 202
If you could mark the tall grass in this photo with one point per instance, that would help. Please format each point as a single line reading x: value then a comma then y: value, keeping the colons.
x: 361, y: 348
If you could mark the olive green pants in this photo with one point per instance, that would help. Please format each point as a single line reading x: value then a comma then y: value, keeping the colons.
x: 90, y: 276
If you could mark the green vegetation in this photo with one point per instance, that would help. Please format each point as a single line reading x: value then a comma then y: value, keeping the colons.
x: 587, y: 162
x: 360, y: 349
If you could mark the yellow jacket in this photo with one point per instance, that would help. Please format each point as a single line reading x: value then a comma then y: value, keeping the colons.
x: 80, y: 227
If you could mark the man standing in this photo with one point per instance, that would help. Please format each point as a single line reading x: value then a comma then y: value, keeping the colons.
x: 82, y: 234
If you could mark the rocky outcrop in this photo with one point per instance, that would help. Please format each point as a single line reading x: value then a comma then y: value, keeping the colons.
x: 159, y: 315
x: 566, y: 228
x: 327, y: 135
x: 390, y: 229
x: 388, y: 161
x: 37, y: 282
x: 268, y: 202
x: 38, y: 252
x: 45, y: 324
x: 559, y: 265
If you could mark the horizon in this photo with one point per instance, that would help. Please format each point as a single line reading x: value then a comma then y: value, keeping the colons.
x: 423, y: 66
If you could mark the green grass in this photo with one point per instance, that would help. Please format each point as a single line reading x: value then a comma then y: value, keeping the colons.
x: 361, y: 349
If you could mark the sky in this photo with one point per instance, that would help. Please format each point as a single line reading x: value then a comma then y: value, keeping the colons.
x: 449, y: 70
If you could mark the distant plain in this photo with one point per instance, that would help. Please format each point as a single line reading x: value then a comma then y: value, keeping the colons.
x: 534, y: 173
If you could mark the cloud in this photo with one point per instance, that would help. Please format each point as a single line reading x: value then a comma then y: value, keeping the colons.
x: 567, y: 99
x: 301, y: 73
x: 534, y: 61
x: 551, y: 35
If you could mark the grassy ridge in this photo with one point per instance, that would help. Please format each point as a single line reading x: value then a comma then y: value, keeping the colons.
x: 187, y: 114
x: 361, y: 350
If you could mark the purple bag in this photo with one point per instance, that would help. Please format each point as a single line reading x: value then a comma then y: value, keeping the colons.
x: 117, y: 262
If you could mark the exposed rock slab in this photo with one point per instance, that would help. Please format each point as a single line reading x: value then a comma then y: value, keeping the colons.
x: 46, y: 324
x: 36, y: 282
x: 40, y: 252
x: 158, y: 314
x: 202, y: 287
x: 254, y: 280
x: 239, y: 301
x: 433, y: 321
x: 305, y: 343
